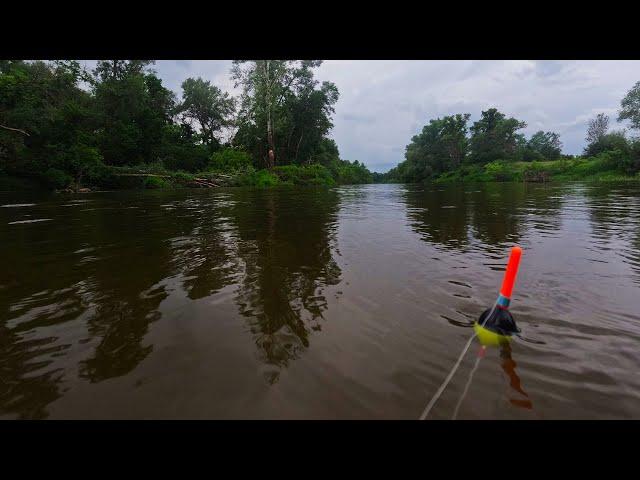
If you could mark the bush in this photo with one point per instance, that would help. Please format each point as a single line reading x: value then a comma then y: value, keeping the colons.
x: 502, y: 171
x: 608, y: 143
x: 99, y: 174
x: 260, y: 178
x: 348, y: 173
x: 304, y: 175
x: 57, y: 179
x: 154, y: 183
x: 466, y: 173
x: 530, y: 155
x: 182, y: 177
x: 230, y: 160
x: 188, y: 158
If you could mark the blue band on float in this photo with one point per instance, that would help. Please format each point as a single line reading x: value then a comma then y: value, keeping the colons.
x: 503, y: 302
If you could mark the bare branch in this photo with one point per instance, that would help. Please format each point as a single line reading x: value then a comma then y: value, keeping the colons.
x: 15, y: 130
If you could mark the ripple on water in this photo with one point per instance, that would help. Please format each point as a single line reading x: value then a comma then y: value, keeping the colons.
x: 193, y: 286
x: 33, y: 220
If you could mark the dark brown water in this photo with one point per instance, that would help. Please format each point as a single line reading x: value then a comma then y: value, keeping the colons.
x: 352, y: 302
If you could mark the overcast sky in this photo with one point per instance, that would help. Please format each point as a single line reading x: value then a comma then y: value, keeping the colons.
x: 384, y: 103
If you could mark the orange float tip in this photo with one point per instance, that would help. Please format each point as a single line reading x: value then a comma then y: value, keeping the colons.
x: 512, y: 271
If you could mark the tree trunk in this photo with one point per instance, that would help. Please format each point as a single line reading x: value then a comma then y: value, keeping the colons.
x: 272, y: 149
x: 298, y: 147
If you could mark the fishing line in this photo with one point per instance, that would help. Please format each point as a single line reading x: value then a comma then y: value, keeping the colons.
x: 447, y: 380
x: 452, y: 372
x: 466, y: 387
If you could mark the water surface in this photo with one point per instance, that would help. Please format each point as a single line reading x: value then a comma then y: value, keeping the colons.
x: 352, y: 302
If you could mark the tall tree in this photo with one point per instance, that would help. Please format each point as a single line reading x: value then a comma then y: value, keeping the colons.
x: 133, y: 108
x: 547, y: 144
x: 454, y: 138
x: 283, y: 115
x: 49, y: 119
x: 263, y: 84
x: 630, y: 107
x: 208, y: 106
x: 597, y: 129
x: 120, y: 69
x: 440, y: 146
x: 494, y: 137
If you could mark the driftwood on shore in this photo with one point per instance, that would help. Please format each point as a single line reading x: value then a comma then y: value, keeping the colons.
x: 212, y: 180
x: 202, y: 183
x: 536, y: 176
x: 141, y: 175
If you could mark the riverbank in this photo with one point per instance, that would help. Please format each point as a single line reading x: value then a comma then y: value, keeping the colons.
x: 156, y: 176
x: 602, y: 168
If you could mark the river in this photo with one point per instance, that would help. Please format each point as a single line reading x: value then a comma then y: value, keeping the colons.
x: 304, y: 303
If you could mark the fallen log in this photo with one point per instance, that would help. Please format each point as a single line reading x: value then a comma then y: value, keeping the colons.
x: 201, y: 182
x: 141, y: 175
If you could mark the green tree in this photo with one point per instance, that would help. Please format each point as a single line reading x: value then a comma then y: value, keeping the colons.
x: 597, y: 129
x: 442, y: 145
x: 50, y: 120
x: 207, y: 106
x: 120, y: 69
x: 326, y: 152
x: 283, y: 116
x: 133, y: 107
x: 630, y: 107
x: 609, y: 142
x: 547, y: 144
x: 494, y: 137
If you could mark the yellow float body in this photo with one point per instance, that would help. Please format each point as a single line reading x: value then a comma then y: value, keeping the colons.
x: 488, y: 338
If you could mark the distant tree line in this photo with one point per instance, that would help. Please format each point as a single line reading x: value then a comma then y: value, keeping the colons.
x: 61, y: 123
x: 448, y: 143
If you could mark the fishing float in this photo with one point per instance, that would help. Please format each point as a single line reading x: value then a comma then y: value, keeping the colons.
x: 494, y: 327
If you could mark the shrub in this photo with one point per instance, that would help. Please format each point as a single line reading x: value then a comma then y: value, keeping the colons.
x: 349, y: 173
x: 304, y: 175
x: 609, y: 142
x: 530, y: 155
x: 154, y: 182
x: 502, y: 171
x: 55, y: 178
x: 264, y: 178
x: 230, y: 159
x: 99, y: 174
x: 182, y: 177
x: 190, y: 158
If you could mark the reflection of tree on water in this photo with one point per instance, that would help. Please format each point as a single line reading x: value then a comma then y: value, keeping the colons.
x: 22, y: 389
x: 207, y: 258
x: 285, y: 242
x: 614, y: 212
x: 606, y: 217
x: 37, y: 294
x: 439, y: 215
x: 496, y: 213
x: 453, y: 216
x: 129, y: 291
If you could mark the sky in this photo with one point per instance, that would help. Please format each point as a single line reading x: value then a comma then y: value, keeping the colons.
x: 383, y: 103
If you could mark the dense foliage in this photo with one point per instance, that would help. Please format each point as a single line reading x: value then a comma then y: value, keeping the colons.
x: 492, y: 149
x: 62, y: 125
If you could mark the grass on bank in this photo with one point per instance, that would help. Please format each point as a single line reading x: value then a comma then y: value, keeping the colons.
x: 603, y: 167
